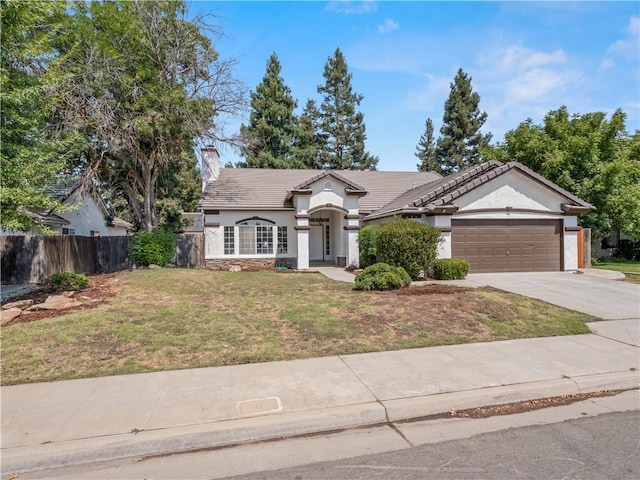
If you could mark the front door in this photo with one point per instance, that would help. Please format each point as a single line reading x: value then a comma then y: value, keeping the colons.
x: 320, y: 243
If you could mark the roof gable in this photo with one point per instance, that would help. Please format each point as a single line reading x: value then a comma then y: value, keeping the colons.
x: 444, y: 192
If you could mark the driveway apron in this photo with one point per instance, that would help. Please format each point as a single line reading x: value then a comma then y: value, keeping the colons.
x: 602, y: 298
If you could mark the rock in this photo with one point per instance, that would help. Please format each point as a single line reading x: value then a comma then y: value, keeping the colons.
x: 21, y: 304
x: 235, y: 268
x: 154, y: 267
x: 8, y: 315
x: 55, y: 302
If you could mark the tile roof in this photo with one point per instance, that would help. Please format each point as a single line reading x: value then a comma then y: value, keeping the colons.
x: 445, y: 190
x: 267, y: 189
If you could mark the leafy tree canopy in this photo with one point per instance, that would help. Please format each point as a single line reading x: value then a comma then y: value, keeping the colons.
x: 32, y: 151
x: 590, y: 155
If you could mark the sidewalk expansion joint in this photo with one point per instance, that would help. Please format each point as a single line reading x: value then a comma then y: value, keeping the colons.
x: 364, y: 384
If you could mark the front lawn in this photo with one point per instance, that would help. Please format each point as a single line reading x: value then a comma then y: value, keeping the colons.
x: 178, y: 318
x: 630, y: 268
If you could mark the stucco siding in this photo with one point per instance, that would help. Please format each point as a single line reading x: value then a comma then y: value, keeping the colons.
x: 512, y: 189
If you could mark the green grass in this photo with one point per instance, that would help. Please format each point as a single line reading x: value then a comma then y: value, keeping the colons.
x: 178, y: 318
x: 630, y: 268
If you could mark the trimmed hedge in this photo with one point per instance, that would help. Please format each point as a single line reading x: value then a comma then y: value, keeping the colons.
x: 382, y: 276
x: 65, y: 281
x: 152, y: 248
x: 367, y: 244
x: 450, y: 269
x: 408, y: 244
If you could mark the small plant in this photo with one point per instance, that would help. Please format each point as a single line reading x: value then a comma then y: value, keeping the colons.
x: 450, y: 269
x: 65, y: 281
x: 155, y: 248
x: 382, y: 276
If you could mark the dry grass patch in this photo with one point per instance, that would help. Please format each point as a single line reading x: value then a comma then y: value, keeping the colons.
x: 172, y: 318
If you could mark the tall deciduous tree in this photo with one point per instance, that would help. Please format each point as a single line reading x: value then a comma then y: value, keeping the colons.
x: 31, y: 151
x: 426, y: 150
x: 592, y: 157
x: 269, y: 136
x: 460, y: 141
x: 342, y: 127
x: 143, y: 82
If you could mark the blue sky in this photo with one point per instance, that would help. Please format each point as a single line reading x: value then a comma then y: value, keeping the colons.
x: 525, y: 59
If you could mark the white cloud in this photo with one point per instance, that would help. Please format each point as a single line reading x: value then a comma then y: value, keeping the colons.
x: 519, y: 58
x: 630, y: 46
x: 606, y: 64
x: 388, y: 26
x: 352, y: 8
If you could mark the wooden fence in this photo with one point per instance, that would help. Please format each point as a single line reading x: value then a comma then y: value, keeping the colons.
x: 32, y: 258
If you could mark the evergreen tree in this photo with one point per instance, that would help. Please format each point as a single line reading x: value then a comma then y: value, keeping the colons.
x: 460, y: 142
x: 342, y: 127
x: 426, y: 150
x: 268, y: 139
x: 308, y: 141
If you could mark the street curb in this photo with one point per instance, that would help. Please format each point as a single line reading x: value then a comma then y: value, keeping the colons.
x: 276, y: 426
x: 186, y: 438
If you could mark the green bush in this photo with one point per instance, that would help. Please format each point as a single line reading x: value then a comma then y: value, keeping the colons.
x: 367, y: 243
x: 408, y: 244
x: 450, y: 269
x: 382, y: 276
x: 152, y: 248
x: 65, y: 281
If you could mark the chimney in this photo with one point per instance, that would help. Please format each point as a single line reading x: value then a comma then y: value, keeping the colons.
x: 210, y: 165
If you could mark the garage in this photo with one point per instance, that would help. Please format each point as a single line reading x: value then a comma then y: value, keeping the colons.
x: 500, y: 245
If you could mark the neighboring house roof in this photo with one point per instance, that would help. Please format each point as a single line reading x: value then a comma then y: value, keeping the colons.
x: 269, y: 189
x: 61, y: 189
x: 442, y: 192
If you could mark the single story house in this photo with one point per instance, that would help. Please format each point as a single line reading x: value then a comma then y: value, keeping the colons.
x: 83, y: 213
x: 499, y: 217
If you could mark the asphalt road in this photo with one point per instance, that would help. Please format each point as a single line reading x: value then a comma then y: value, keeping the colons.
x: 602, y: 447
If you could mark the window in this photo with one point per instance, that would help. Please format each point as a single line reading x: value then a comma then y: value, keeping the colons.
x: 68, y: 231
x: 229, y: 241
x: 327, y: 240
x: 253, y: 236
x: 247, y: 236
x: 94, y: 233
x: 328, y: 186
x: 264, y: 236
x: 283, y: 243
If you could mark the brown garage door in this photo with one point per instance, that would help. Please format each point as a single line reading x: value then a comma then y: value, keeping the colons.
x: 507, y: 245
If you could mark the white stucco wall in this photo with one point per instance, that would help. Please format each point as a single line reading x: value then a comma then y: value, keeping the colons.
x: 214, y: 235
x: 512, y: 189
x: 86, y: 216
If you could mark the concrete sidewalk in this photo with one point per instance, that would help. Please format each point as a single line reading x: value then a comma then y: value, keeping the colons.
x: 54, y: 424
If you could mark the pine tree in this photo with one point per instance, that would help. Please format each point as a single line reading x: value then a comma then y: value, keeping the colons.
x: 308, y: 143
x: 426, y: 150
x: 268, y: 139
x: 341, y: 126
x: 459, y: 144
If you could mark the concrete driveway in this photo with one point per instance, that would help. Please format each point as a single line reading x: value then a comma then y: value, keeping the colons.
x: 588, y: 293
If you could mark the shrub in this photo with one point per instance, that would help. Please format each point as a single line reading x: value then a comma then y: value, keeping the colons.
x: 382, y: 276
x: 65, y: 281
x: 408, y: 244
x: 367, y: 243
x: 155, y: 248
x: 450, y: 269
x: 625, y: 250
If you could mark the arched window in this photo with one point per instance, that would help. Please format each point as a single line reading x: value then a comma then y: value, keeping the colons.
x: 328, y: 186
